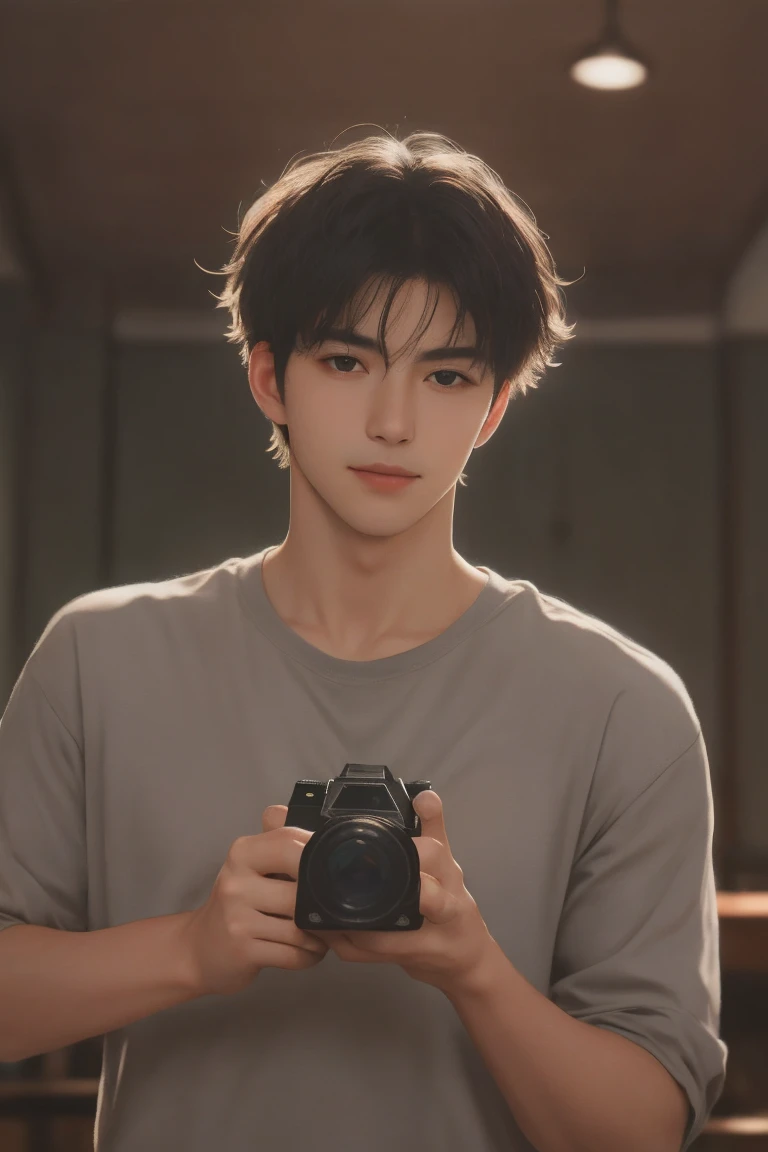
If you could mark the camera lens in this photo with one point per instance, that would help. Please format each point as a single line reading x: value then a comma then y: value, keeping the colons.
x: 359, y: 873
x: 359, y: 870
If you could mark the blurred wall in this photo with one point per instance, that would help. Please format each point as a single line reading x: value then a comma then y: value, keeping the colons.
x: 145, y: 458
x: 15, y: 368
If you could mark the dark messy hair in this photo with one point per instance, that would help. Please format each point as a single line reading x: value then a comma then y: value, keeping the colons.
x: 383, y: 211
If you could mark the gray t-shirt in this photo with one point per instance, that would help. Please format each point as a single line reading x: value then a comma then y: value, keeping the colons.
x: 152, y: 724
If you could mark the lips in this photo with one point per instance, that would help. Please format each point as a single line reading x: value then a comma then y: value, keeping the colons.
x: 383, y: 481
x: 387, y: 472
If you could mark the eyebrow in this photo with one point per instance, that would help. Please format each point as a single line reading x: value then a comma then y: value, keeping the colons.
x: 350, y: 336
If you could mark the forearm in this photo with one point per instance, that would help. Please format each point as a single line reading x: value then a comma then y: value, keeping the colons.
x: 571, y: 1087
x: 57, y: 987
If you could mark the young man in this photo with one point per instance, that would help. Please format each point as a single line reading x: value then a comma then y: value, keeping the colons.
x: 389, y: 298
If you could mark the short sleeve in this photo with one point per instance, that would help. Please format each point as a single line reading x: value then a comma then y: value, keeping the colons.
x: 637, y: 949
x: 43, y: 874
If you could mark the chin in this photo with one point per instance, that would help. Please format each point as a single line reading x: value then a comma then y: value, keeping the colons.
x: 383, y: 526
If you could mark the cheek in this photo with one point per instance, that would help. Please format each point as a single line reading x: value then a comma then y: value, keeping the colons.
x: 456, y: 426
x: 316, y: 405
x: 452, y: 443
x: 316, y: 428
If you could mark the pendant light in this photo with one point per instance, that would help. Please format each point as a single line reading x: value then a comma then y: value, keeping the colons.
x: 610, y: 63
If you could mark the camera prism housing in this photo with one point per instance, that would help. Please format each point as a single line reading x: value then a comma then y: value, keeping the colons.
x: 360, y: 869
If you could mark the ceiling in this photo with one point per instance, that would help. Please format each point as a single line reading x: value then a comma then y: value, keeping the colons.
x: 135, y: 132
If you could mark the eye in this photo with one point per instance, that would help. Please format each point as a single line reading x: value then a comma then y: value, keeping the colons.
x: 462, y: 381
x: 340, y: 356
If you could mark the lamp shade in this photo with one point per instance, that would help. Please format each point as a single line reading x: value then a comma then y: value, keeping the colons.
x: 609, y: 66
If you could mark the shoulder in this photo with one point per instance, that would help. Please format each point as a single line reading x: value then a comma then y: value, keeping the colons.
x: 581, y: 656
x: 120, y: 615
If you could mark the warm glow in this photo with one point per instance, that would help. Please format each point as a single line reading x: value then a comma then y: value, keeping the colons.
x: 609, y: 69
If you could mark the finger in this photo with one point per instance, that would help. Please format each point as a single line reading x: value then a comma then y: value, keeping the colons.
x: 345, y: 946
x: 436, y: 903
x: 273, y: 817
x: 429, y: 808
x: 436, y: 860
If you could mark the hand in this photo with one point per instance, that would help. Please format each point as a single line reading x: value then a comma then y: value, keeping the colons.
x: 247, y: 922
x: 453, y: 944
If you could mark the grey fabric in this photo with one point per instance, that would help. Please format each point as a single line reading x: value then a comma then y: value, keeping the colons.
x: 151, y: 725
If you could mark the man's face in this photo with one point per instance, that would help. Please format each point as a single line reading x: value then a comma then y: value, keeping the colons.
x: 345, y: 409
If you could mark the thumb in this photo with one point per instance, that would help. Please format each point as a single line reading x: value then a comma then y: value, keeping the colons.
x: 273, y: 817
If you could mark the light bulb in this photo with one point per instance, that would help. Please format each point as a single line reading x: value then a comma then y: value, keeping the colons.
x: 609, y: 68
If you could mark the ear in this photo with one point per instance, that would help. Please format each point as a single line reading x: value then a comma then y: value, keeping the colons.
x: 493, y: 419
x: 263, y: 382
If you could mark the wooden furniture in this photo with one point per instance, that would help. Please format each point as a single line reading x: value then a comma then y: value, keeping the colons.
x: 63, y: 1097
x: 734, y: 1134
x: 743, y: 931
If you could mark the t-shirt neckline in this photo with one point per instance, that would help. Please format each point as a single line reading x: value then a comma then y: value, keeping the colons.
x: 258, y: 607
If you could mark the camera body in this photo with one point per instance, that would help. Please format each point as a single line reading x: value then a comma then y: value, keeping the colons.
x: 360, y: 869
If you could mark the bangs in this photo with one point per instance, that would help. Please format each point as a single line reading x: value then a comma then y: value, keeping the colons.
x: 416, y: 228
x: 360, y: 301
x: 382, y: 241
x: 339, y: 228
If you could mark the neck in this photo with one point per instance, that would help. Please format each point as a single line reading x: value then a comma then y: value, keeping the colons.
x: 356, y: 600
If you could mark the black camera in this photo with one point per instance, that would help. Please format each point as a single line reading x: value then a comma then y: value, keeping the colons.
x: 361, y: 868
